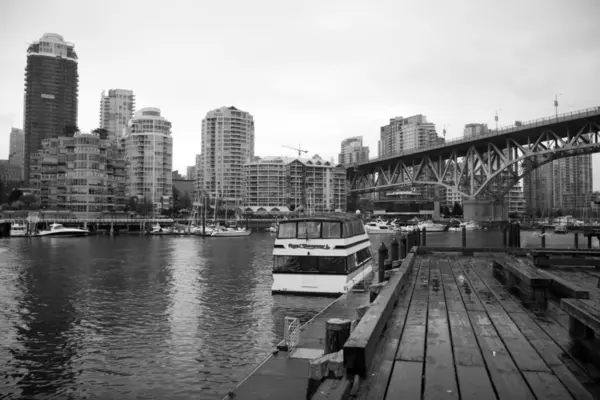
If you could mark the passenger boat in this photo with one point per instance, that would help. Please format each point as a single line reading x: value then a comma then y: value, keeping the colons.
x: 18, y: 230
x: 469, y: 226
x: 230, y: 232
x: 320, y: 255
x: 58, y: 230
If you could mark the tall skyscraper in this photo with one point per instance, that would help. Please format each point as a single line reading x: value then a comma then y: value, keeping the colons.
x: 353, y: 151
x: 227, y: 144
x: 116, y: 109
x: 564, y: 184
x: 51, y: 86
x: 149, y: 152
x: 16, y: 148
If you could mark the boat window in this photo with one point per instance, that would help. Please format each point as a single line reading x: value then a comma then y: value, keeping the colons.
x: 332, y: 230
x: 287, y: 230
x: 363, y: 255
x: 314, y: 264
x: 309, y: 229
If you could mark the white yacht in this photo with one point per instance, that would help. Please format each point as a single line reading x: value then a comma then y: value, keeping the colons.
x: 57, y: 230
x: 230, y: 232
x: 378, y: 227
x: 469, y: 226
x: 320, y: 255
x: 431, y: 226
x: 158, y: 230
x: 560, y: 228
x: 17, y: 230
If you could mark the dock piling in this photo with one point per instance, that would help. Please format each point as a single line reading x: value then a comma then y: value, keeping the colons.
x: 418, y: 237
x: 504, y: 242
x: 576, y: 240
x: 383, y: 252
x: 394, y: 246
x: 589, y: 240
x: 543, y: 237
x: 403, y: 247
x: 337, y: 332
x: 464, y: 237
x: 424, y: 237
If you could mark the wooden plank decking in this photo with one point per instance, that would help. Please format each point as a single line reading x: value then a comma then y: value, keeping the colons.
x: 457, y: 333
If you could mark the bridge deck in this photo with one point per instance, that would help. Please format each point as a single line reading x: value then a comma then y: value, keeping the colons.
x: 458, y: 334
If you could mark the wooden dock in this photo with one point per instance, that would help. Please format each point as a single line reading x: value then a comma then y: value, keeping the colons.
x: 460, y: 334
x: 444, y: 327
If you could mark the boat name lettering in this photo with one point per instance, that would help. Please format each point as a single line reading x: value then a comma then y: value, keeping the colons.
x: 309, y: 246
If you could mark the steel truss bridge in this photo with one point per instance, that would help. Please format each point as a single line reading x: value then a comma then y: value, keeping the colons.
x: 484, y: 166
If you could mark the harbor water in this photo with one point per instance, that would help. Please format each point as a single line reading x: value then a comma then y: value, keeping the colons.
x: 145, y: 317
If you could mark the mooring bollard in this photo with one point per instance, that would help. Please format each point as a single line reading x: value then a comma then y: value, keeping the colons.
x: 383, y: 251
x: 464, y: 237
x: 576, y: 240
x: 543, y: 237
x: 337, y: 332
x: 394, y: 245
x: 424, y: 237
x: 403, y: 247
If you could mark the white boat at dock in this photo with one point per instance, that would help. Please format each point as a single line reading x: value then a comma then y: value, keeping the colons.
x: 320, y: 255
x: 560, y: 228
x: 469, y: 226
x: 378, y: 227
x: 18, y: 230
x: 230, y: 232
x: 431, y: 226
x: 58, y: 230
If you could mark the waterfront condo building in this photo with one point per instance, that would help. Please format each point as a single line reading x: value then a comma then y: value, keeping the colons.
x: 562, y: 186
x: 314, y: 185
x: 353, y: 151
x: 475, y: 129
x: 116, y: 109
x: 51, y: 85
x: 227, y: 144
x: 16, y: 149
x: 149, y: 154
x: 84, y: 174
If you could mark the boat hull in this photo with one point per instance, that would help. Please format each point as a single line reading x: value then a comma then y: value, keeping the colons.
x: 62, y: 234
x: 318, y: 284
x: 231, y: 233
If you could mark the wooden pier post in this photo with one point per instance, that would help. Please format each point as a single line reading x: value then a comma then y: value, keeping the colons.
x: 589, y: 238
x: 464, y: 237
x: 383, y: 252
x: 337, y: 332
x: 518, y: 228
x: 504, y: 242
x: 403, y: 247
x: 418, y: 237
x: 576, y: 240
x: 424, y: 237
x: 394, y: 246
x: 543, y: 237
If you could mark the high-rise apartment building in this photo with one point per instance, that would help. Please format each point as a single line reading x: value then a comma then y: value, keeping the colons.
x: 403, y: 134
x: 314, y: 184
x: 475, y: 129
x: 149, y: 153
x: 16, y: 148
x: 353, y: 151
x: 116, y: 109
x: 83, y: 174
x: 564, y: 184
x: 51, y: 86
x: 191, y: 173
x: 227, y: 144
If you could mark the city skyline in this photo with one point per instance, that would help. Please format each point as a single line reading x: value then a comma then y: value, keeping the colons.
x: 333, y: 75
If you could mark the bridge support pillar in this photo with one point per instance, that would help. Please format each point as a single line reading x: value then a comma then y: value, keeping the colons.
x: 484, y: 210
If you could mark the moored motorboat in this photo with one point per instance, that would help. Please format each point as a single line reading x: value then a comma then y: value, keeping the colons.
x: 560, y: 228
x: 58, y: 230
x: 18, y: 230
x: 230, y: 232
x: 431, y: 226
x: 469, y: 226
x: 378, y: 227
x: 320, y: 255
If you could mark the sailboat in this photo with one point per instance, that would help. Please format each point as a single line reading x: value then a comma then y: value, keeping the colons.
x: 201, y: 229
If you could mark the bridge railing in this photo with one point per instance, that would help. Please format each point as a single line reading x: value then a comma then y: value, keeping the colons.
x: 495, y: 132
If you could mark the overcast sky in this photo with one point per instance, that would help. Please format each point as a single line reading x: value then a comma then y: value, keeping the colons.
x: 315, y: 72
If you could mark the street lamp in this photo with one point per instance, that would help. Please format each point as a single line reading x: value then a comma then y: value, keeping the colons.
x: 556, y: 103
x: 496, y: 118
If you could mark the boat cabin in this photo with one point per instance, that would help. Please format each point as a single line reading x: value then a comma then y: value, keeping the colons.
x: 317, y: 228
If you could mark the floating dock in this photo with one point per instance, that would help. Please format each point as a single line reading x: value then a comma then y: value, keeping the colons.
x: 458, y: 324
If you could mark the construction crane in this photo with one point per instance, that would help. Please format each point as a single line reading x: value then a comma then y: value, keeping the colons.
x: 298, y: 149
